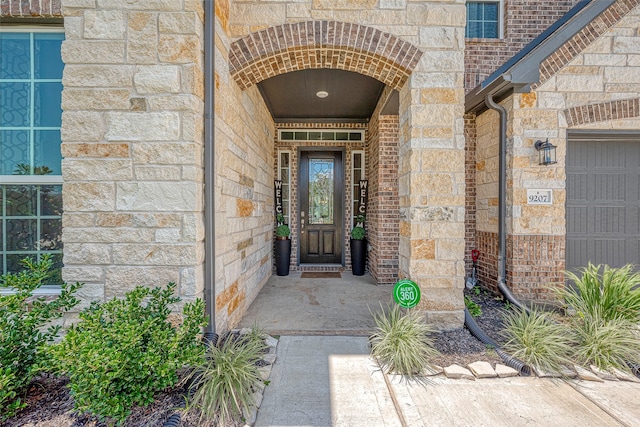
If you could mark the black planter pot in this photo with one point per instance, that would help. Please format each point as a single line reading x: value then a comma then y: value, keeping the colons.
x: 283, y: 256
x: 358, y: 256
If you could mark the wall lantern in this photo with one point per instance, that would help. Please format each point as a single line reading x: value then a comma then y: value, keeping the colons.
x: 546, y: 151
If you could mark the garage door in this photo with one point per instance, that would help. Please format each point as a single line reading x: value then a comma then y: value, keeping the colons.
x: 603, y: 199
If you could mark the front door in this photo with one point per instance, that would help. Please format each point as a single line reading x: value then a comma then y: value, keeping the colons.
x: 321, y: 186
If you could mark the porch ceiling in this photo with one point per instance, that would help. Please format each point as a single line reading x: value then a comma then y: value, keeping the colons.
x: 291, y: 97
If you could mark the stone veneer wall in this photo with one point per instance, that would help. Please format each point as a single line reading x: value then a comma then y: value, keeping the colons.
x: 132, y: 146
x: 482, y: 179
x: 244, y: 152
x: 154, y: 195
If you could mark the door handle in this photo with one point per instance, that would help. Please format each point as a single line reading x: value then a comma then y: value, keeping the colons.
x: 302, y: 222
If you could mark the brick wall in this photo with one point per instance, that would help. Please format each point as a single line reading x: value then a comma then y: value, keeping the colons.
x: 487, y: 268
x: 470, y: 189
x: 383, y: 216
x: 30, y: 8
x: 524, y: 21
x: 535, y: 265
x: 302, y: 45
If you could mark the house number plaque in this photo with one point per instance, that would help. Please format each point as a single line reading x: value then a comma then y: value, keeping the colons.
x: 539, y: 197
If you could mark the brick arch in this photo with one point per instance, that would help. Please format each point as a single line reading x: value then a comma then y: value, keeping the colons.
x: 604, y: 111
x: 322, y: 44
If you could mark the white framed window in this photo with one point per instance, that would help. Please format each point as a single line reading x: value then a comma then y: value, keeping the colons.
x: 485, y: 19
x: 312, y: 135
x: 30, y: 158
x: 284, y: 175
x: 358, y: 172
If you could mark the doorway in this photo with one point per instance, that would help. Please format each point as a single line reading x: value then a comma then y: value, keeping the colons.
x: 321, y: 213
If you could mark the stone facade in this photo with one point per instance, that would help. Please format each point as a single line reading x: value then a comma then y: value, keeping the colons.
x: 132, y: 146
x: 133, y: 141
x: 590, y: 83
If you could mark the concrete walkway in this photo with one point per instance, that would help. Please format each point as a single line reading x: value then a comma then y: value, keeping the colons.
x: 331, y: 381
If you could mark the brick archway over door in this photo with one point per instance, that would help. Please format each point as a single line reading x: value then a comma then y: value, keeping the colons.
x: 322, y: 44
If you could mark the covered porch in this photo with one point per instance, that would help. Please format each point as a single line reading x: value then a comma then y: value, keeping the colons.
x: 297, y: 305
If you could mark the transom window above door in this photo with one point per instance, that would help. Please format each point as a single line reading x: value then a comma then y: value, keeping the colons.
x: 321, y: 135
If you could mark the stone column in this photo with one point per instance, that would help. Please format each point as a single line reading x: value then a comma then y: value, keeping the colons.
x: 432, y: 164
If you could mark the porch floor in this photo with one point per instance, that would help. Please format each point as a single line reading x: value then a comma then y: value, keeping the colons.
x: 291, y: 305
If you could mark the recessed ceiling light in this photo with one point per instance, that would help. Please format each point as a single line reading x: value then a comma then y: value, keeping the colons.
x: 322, y: 94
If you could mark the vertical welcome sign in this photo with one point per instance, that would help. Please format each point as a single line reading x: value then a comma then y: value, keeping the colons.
x: 362, y: 203
x: 277, y: 186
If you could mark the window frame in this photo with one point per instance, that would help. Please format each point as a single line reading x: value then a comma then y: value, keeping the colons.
x: 35, y: 180
x: 286, y: 201
x: 355, y: 186
x: 500, y: 24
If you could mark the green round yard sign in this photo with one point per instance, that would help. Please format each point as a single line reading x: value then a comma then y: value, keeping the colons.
x: 406, y: 293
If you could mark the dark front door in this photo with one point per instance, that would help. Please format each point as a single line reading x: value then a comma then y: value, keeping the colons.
x: 321, y: 184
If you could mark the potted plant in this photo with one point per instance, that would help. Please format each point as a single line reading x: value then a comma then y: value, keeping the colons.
x: 358, y: 242
x: 282, y: 246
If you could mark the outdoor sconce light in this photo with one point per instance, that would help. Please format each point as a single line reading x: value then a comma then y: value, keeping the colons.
x: 546, y: 151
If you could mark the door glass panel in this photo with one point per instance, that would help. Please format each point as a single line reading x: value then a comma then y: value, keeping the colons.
x: 321, y: 191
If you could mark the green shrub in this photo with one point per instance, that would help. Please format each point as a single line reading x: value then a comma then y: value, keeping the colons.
x: 123, y: 351
x: 474, y: 309
x: 225, y: 383
x: 23, y: 320
x: 283, y: 230
x: 606, y: 343
x: 402, y: 342
x: 604, y: 293
x: 358, y: 233
x: 536, y: 339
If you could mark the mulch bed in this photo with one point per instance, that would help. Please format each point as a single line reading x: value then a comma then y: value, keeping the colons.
x: 49, y: 403
x: 460, y: 346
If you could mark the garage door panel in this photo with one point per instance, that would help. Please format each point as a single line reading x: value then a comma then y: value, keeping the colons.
x: 579, y: 158
x: 577, y: 186
x: 613, y: 252
x: 603, y: 199
x: 577, y: 252
x: 609, y: 220
x: 609, y: 251
x: 578, y: 224
x: 610, y: 156
x: 609, y: 187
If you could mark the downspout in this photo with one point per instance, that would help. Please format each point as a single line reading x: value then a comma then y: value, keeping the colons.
x: 469, y: 322
x: 502, y: 205
x: 210, y: 336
